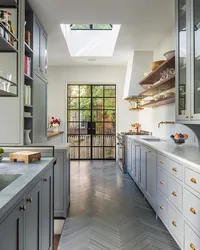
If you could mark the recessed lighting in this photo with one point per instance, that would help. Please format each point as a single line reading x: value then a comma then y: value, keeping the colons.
x: 92, y: 59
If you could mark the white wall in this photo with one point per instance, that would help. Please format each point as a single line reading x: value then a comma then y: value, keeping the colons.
x: 58, y: 76
x: 149, y: 118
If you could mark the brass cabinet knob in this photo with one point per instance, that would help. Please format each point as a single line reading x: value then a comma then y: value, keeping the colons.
x: 23, y: 208
x: 161, y: 182
x: 174, y: 223
x: 162, y: 162
x: 45, y: 179
x: 174, y: 193
x: 161, y: 207
x: 30, y: 199
x: 193, y: 180
x: 192, y: 210
x: 174, y: 169
x: 192, y: 246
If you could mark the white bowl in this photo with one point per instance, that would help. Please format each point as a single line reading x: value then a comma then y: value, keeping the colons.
x: 169, y: 54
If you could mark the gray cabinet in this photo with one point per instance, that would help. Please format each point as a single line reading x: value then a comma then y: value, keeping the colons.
x: 151, y: 190
x: 61, y: 184
x: 129, y: 156
x: 32, y: 218
x: 40, y: 49
x: 12, y: 229
x: 187, y: 61
x: 47, y: 211
x: 137, y: 163
x: 143, y: 170
x: 39, y: 109
x: 133, y: 165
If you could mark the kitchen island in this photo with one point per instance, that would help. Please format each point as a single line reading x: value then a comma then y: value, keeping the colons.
x: 26, y: 204
x: 168, y: 175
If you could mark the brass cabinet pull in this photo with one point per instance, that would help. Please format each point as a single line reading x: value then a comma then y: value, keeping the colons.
x: 174, y: 223
x: 192, y: 246
x: 174, y: 193
x: 30, y: 199
x: 161, y: 207
x: 23, y: 208
x: 193, y: 180
x: 162, y: 162
x: 161, y: 182
x: 192, y: 210
x: 174, y: 169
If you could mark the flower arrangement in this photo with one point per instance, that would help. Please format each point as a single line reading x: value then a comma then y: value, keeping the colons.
x: 54, y: 123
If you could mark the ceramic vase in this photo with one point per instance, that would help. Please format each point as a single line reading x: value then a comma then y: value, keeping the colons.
x: 27, y: 139
x: 55, y: 129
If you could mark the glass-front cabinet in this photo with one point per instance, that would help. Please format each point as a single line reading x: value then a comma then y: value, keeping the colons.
x: 188, y: 61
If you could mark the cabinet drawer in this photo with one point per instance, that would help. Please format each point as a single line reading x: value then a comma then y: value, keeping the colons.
x: 162, y: 208
x: 170, y: 166
x: 192, y: 240
x: 175, y: 193
x: 176, y: 224
x: 192, y: 179
x: 191, y: 208
x: 162, y: 181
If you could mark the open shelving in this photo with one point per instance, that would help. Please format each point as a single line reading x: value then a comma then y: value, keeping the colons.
x: 28, y: 48
x: 9, y: 4
x: 160, y: 102
x: 4, y: 93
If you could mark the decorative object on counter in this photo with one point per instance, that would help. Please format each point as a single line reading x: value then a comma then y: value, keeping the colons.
x: 1, y: 154
x: 156, y: 64
x: 54, y: 123
x: 25, y: 156
x: 169, y: 54
x: 27, y: 140
x: 179, y: 138
x: 136, y: 126
x: 135, y: 102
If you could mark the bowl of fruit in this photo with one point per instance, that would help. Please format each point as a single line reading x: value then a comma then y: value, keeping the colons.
x: 179, y: 138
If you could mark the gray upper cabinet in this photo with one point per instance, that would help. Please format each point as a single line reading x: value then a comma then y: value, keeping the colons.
x: 11, y: 236
x: 47, y: 211
x: 188, y: 61
x: 32, y: 218
x: 40, y: 49
x: 39, y: 109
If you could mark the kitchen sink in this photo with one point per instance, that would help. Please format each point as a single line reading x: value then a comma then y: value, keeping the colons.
x: 7, y: 179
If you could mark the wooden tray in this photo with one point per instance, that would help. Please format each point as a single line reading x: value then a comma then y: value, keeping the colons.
x: 25, y: 156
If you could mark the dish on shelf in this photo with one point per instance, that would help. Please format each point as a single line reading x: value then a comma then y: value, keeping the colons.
x: 146, y: 74
x: 156, y: 64
x: 169, y: 54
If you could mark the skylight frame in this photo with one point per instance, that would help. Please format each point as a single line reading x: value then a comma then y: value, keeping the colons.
x: 91, y: 27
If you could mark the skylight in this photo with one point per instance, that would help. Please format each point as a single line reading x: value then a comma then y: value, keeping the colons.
x: 91, y: 26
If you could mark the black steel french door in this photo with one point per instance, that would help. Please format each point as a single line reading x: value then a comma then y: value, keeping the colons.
x: 91, y: 121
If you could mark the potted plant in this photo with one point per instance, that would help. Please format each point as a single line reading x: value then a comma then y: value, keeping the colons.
x: 54, y: 123
x: 1, y: 154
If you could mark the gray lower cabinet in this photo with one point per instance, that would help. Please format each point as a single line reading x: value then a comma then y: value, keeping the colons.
x: 47, y: 211
x: 143, y: 170
x: 137, y: 163
x: 32, y: 218
x: 61, y: 184
x: 30, y: 224
x: 39, y: 109
x: 133, y: 165
x: 12, y: 229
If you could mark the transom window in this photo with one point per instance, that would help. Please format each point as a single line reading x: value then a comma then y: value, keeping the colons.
x: 91, y: 26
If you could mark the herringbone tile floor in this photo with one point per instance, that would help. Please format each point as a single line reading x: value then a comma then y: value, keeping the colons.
x: 108, y: 212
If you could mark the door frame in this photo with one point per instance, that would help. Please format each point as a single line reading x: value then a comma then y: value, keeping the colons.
x: 66, y: 112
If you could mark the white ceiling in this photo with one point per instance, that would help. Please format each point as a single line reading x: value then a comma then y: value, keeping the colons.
x: 144, y: 24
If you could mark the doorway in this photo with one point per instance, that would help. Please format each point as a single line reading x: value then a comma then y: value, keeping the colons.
x: 91, y: 121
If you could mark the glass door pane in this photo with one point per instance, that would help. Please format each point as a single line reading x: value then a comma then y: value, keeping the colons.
x: 182, y: 57
x: 196, y: 57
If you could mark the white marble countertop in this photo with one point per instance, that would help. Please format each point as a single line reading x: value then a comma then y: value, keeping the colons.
x: 30, y: 175
x: 187, y: 154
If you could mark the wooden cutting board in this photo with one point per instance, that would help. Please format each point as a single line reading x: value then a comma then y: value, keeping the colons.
x: 25, y: 156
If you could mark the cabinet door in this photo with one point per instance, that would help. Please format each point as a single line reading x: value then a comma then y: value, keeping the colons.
x: 47, y: 211
x: 133, y: 162
x: 11, y: 230
x: 143, y: 169
x: 151, y: 178
x: 32, y: 218
x: 129, y: 157
x: 195, y: 92
x: 137, y: 163
x: 36, y: 45
x: 182, y: 62
x: 43, y: 53
x: 39, y: 110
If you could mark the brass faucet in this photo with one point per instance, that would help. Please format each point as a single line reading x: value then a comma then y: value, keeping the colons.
x: 165, y: 123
